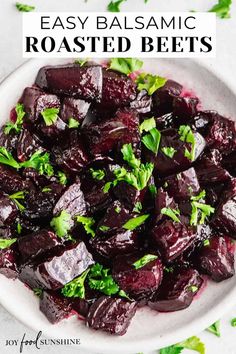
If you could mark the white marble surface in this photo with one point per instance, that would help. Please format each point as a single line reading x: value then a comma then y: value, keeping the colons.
x: 10, y: 58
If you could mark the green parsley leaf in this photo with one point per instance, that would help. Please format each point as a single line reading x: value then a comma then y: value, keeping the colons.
x: 193, y: 288
x: 16, y: 196
x: 46, y: 189
x: 222, y: 8
x: 76, y: 288
x: 87, y: 223
x: 18, y: 228
x: 169, y: 151
x: 169, y: 269
x: 137, y: 178
x: 215, y: 328
x: 24, y: 8
x: 172, y: 213
x: 135, y: 222
x: 171, y: 350
x: 122, y: 293
x: 81, y: 62
x: 100, y: 279
x: 129, y: 156
x: 73, y: 123
x: 107, y: 187
x: 153, y: 190
x: 144, y: 260
x: 5, y: 243
x: 206, y: 243
x: 152, y: 140
x: 193, y: 343
x: 117, y: 210
x: 125, y: 65
x: 233, y: 322
x: 200, y: 196
x: 40, y: 162
x: 6, y: 158
x: 114, y: 6
x: 138, y: 207
x: 98, y: 174
x: 150, y: 83
x: 104, y: 228
x: 17, y: 126
x: 147, y: 125
x: 200, y: 209
x: 50, y: 115
x: 186, y: 135
x: 62, y: 178
x: 38, y: 292
x: 61, y: 224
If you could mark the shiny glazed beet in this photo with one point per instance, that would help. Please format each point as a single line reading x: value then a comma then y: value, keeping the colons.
x: 172, y: 239
x: 72, y: 80
x: 82, y: 306
x: 137, y: 283
x: 142, y: 103
x: 163, y: 98
x: 54, y: 306
x: 163, y: 200
x: 176, y: 291
x: 8, y: 263
x: 9, y: 141
x: 8, y: 210
x: 185, y: 108
x: 28, y: 144
x: 53, y: 131
x: 118, y: 90
x: 128, y: 195
x: 10, y: 180
x: 111, y: 315
x: 217, y: 259
x: 74, y: 108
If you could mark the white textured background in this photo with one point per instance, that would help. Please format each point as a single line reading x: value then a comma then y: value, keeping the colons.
x: 10, y: 58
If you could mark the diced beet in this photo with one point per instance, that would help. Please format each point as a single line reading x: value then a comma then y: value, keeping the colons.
x: 217, y: 259
x: 209, y: 169
x: 8, y: 210
x: 39, y: 180
x: 36, y: 244
x: 128, y: 195
x: 185, y: 108
x: 229, y: 162
x: 104, y: 136
x: 225, y: 215
x: 72, y: 80
x: 8, y: 263
x: 27, y: 226
x: 28, y: 144
x: 176, y: 291
x: 137, y: 283
x: 165, y: 121
x: 54, y: 306
x: 163, y: 200
x: 10, y: 180
x: 118, y: 90
x: 201, y: 121
x: 81, y: 306
x: 9, y: 141
x: 163, y: 97
x: 72, y: 201
x: 172, y: 239
x: 111, y: 315
x: 35, y: 101
x: 183, y: 185
x: 120, y: 243
x: 6, y: 232
x: 142, y: 103
x: 74, y: 108
x: 53, y: 131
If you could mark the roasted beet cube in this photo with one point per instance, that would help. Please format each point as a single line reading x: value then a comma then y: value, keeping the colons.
x: 137, y: 283
x: 9, y: 141
x: 37, y: 243
x: 163, y: 200
x: 118, y: 90
x: 39, y: 180
x: 172, y: 238
x: 104, y: 136
x: 10, y: 180
x: 72, y: 201
x: 165, y: 121
x: 8, y: 210
x: 55, y: 307
x: 185, y: 108
x: 183, y: 185
x: 176, y: 291
x: 74, y: 108
x: 163, y: 97
x: 120, y: 243
x: 142, y: 103
x: 128, y: 195
x: 225, y: 215
x: 217, y: 259
x: 111, y: 315
x: 35, y: 101
x: 8, y: 262
x: 72, y: 80
x: 53, y: 131
x: 81, y: 306
x: 229, y: 162
x: 28, y: 144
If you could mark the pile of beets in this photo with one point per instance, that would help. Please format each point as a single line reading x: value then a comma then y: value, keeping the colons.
x: 110, y: 109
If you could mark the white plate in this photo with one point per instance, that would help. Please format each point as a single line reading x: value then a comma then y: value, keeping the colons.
x: 149, y: 330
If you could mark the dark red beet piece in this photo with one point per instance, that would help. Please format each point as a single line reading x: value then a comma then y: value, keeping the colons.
x: 172, y: 239
x: 36, y: 244
x: 163, y: 97
x: 72, y: 80
x: 118, y: 90
x: 28, y: 144
x: 55, y: 307
x: 9, y: 141
x: 165, y: 121
x: 185, y: 108
x: 176, y: 291
x: 137, y: 283
x: 8, y: 210
x: 217, y: 259
x: 53, y: 131
x: 229, y: 162
x: 104, y: 136
x: 10, y: 180
x: 128, y: 195
x: 81, y: 306
x: 120, y: 243
x: 35, y: 101
x: 163, y: 200
x: 111, y: 315
x: 142, y: 103
x: 8, y: 263
x: 39, y: 180
x: 74, y: 108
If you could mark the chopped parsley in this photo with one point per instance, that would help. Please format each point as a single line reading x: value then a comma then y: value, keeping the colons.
x: 215, y: 328
x: 129, y: 156
x: 24, y: 8
x: 125, y: 65
x: 233, y: 322
x: 87, y: 223
x: 38, y: 292
x: 135, y: 222
x: 200, y: 209
x: 153, y: 189
x: 62, y: 224
x: 169, y: 269
x: 114, y: 6
x: 152, y: 140
x: 193, y: 288
x: 172, y: 213
x: 169, y: 151
x: 16, y: 196
x: 98, y: 174
x: 122, y: 293
x: 17, y: 126
x: 222, y: 8
x: 186, y: 135
x: 18, y: 228
x: 50, y: 115
x: 6, y: 158
x: 73, y: 123
x: 100, y: 279
x: 206, y: 243
x: 138, y: 207
x: 62, y: 178
x: 40, y: 162
x: 118, y: 209
x: 76, y: 288
x: 104, y: 228
x: 147, y: 125
x: 144, y: 260
x: 81, y: 62
x: 6, y: 243
x: 193, y: 343
x: 150, y: 83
